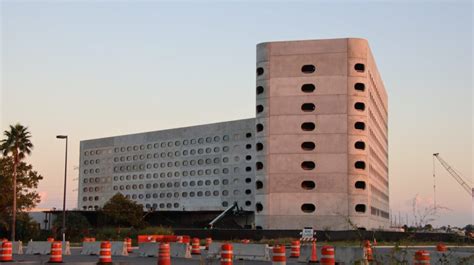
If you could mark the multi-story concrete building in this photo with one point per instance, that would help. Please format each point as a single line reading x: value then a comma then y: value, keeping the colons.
x: 315, y: 155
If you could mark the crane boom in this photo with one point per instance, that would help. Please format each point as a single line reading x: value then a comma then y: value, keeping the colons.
x: 455, y: 175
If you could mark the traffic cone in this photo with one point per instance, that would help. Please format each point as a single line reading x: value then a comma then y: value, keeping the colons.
x: 314, y: 254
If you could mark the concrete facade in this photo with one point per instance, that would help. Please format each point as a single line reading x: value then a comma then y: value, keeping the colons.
x: 315, y: 155
x: 200, y: 168
x: 322, y: 132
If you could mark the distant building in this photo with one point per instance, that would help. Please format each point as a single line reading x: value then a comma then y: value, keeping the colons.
x: 315, y: 155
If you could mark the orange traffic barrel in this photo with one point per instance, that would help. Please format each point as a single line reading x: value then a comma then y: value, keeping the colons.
x: 208, y: 242
x: 195, y: 246
x: 105, y: 256
x: 279, y: 257
x: 422, y: 257
x: 56, y: 252
x: 179, y: 239
x: 295, y: 249
x: 441, y: 247
x: 164, y: 257
x: 6, y: 252
x: 50, y: 239
x: 227, y: 254
x: 245, y: 241
x: 369, y: 255
x: 327, y: 256
x: 128, y: 243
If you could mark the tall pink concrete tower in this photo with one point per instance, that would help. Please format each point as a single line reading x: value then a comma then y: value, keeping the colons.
x: 321, y: 136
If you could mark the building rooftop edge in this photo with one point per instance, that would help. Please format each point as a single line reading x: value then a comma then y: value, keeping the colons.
x: 168, y: 129
x: 308, y: 40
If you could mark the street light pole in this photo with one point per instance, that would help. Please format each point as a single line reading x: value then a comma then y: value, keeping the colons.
x: 65, y: 181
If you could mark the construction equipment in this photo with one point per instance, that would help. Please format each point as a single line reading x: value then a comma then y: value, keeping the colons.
x: 234, y: 208
x: 455, y: 175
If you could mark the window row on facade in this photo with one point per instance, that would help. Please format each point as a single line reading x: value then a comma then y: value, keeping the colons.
x: 378, y: 212
x: 178, y: 143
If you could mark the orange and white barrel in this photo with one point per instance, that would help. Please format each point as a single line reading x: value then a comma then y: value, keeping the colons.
x: 128, y: 243
x: 279, y: 256
x: 179, y: 239
x: 327, y: 256
x: 369, y: 255
x: 295, y: 249
x: 441, y: 247
x: 422, y: 257
x: 50, y: 239
x: 227, y: 254
x: 56, y: 255
x: 245, y: 241
x: 208, y: 242
x: 105, y: 252
x: 195, y: 246
x: 6, y: 252
x: 164, y: 257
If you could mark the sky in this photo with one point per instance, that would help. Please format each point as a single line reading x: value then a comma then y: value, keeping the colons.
x: 92, y: 69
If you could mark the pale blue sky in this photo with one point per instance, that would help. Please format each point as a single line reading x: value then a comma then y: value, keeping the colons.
x: 92, y: 70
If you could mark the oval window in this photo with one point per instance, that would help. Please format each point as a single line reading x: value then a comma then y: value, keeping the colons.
x: 359, y: 165
x: 359, y: 106
x: 308, y: 107
x: 308, y: 88
x: 308, y: 126
x: 359, y: 145
x: 308, y: 165
x: 359, y: 125
x: 308, y: 185
x: 360, y: 185
x: 308, y: 68
x: 308, y: 208
x: 308, y: 146
x: 360, y: 208
x: 359, y: 86
x: 359, y: 67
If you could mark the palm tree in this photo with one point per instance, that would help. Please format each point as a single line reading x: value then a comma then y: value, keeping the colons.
x: 18, y: 144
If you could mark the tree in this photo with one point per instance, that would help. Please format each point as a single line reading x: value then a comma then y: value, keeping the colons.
x: 27, y: 180
x: 121, y: 211
x: 78, y: 225
x: 469, y: 228
x: 18, y: 144
x: 28, y: 229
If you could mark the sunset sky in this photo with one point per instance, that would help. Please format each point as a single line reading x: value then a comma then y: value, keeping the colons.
x: 95, y: 69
